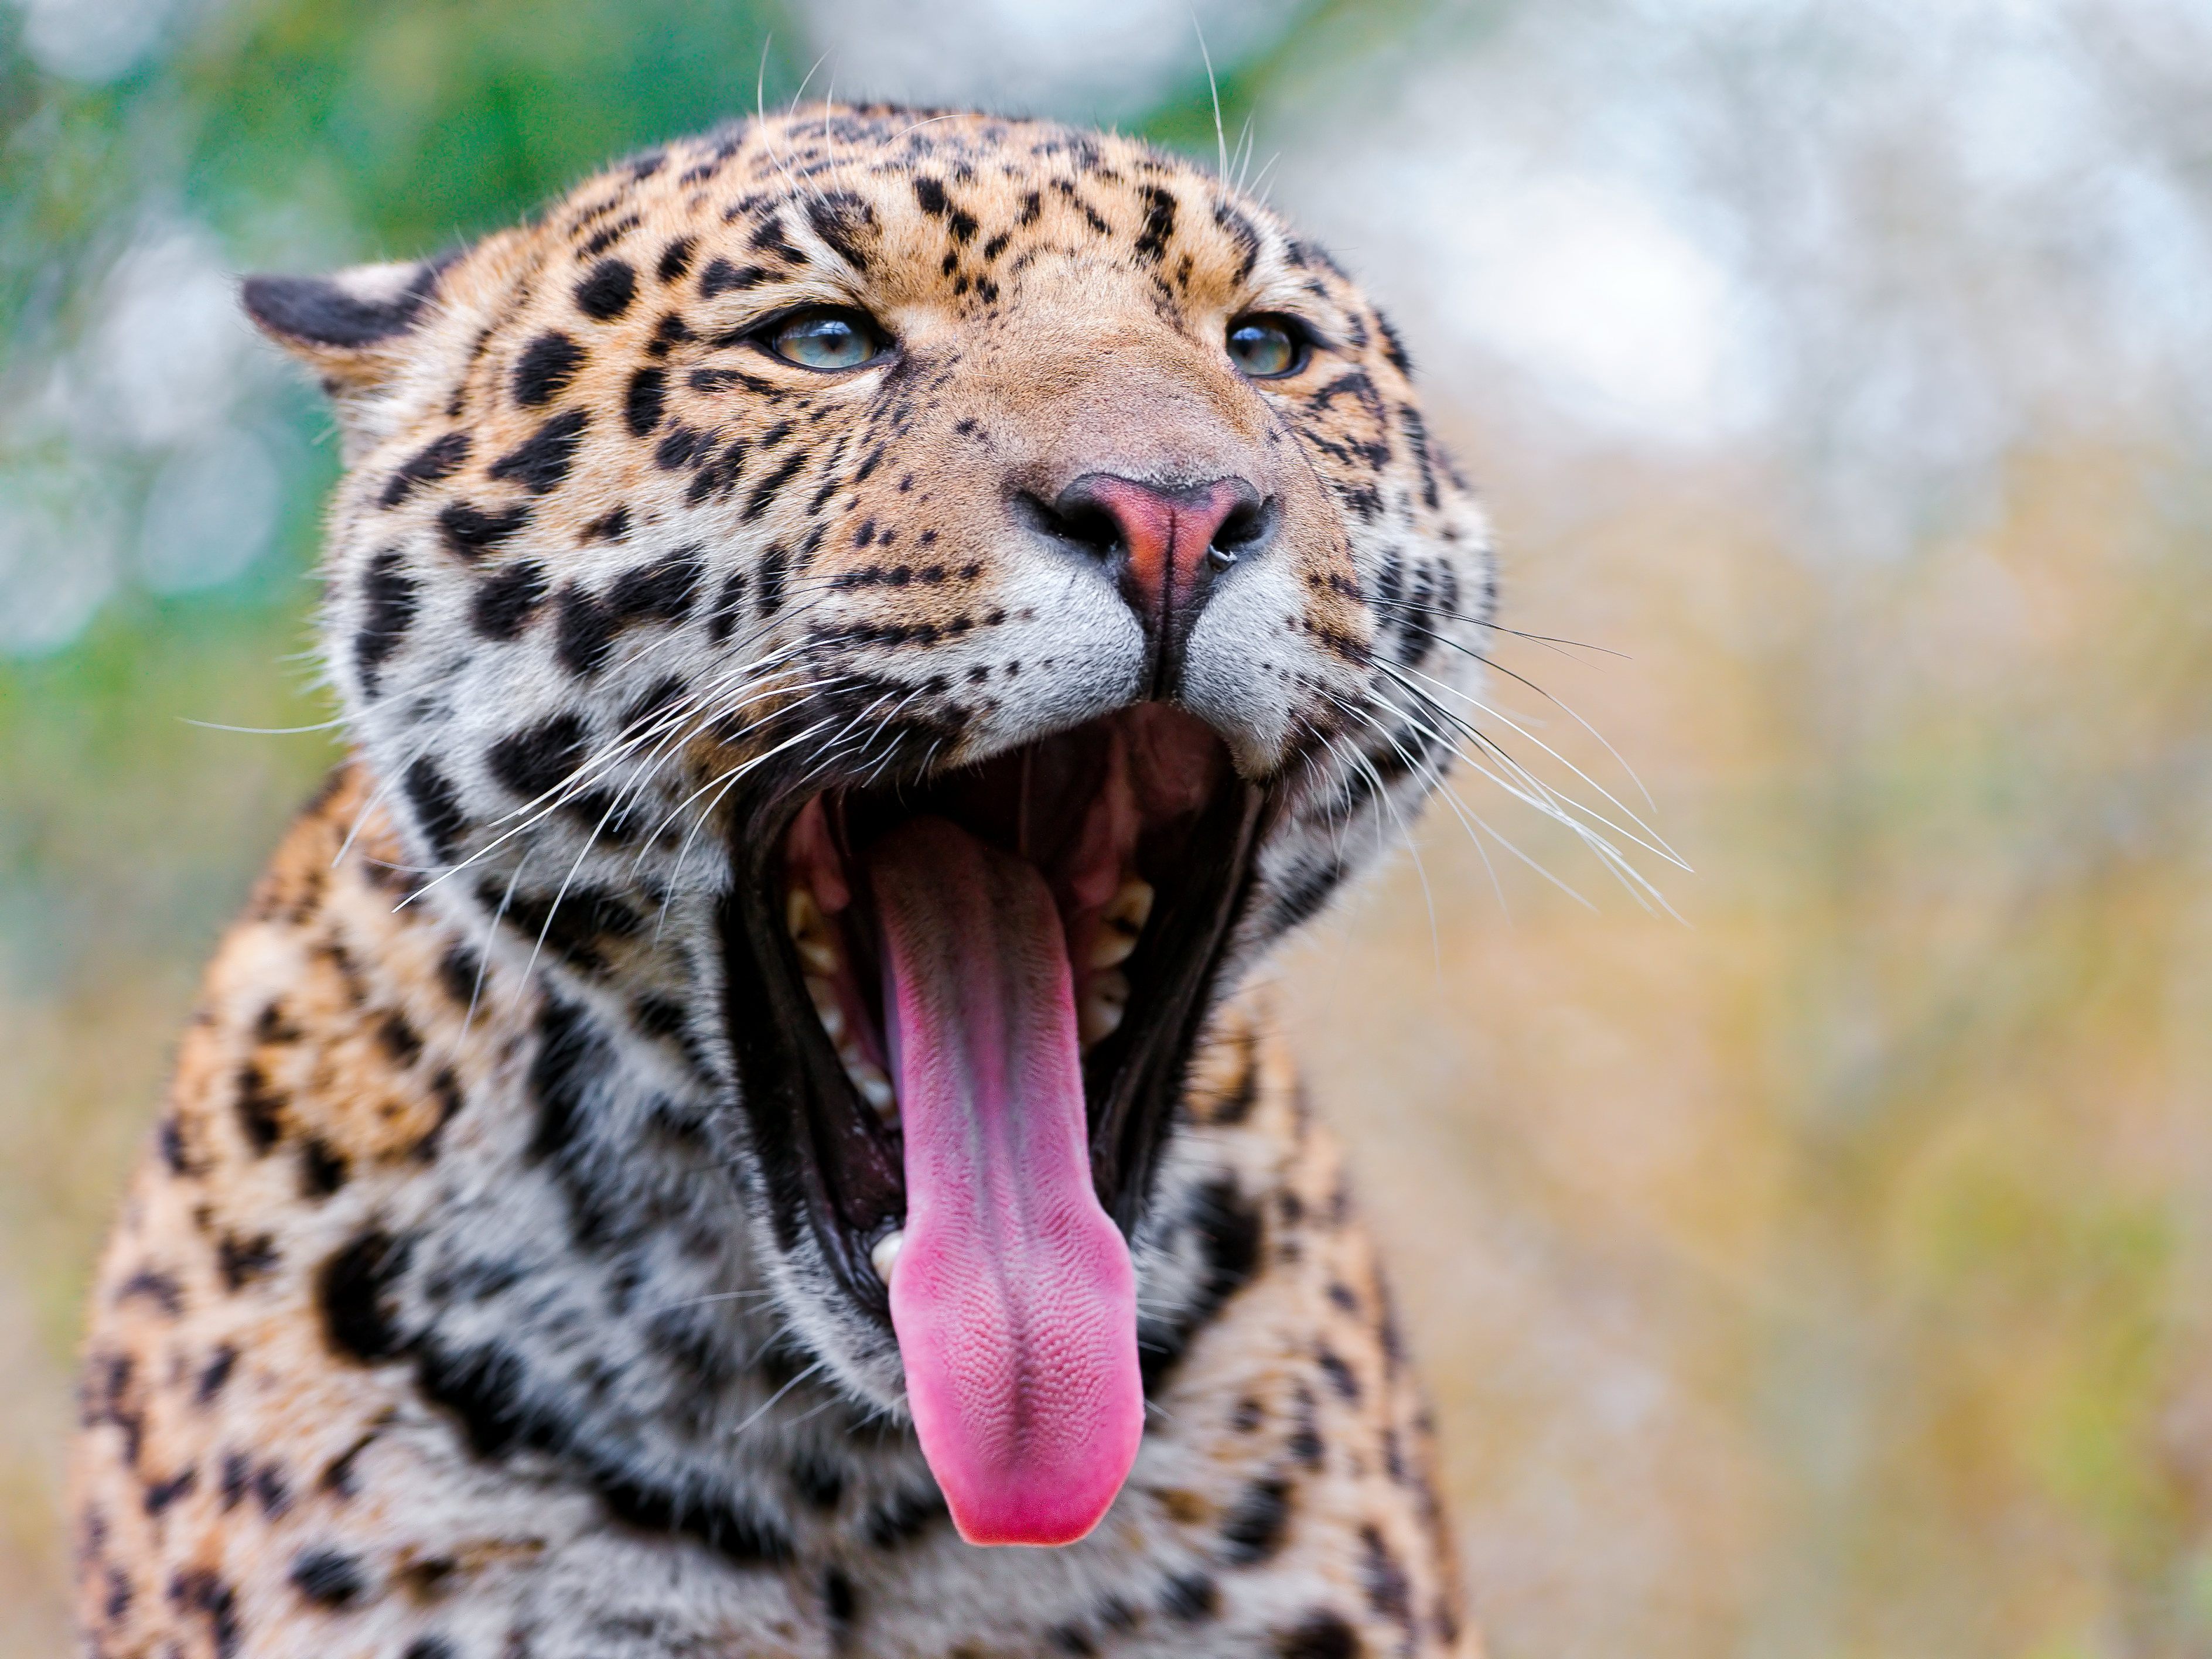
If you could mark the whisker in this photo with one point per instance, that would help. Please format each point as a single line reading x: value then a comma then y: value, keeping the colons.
x: 815, y: 1411
x: 1472, y: 822
x: 729, y: 782
x: 761, y: 1410
x: 1524, y: 783
x: 1406, y: 833
x: 331, y: 725
x: 551, y: 801
x: 360, y: 820
x: 702, y: 1301
x: 1213, y: 87
x: 561, y: 893
x: 1497, y: 667
x: 1259, y: 183
x: 1655, y: 845
x: 491, y: 941
x: 1494, y: 627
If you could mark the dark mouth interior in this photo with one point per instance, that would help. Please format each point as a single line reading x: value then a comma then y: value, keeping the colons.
x: 1144, y: 835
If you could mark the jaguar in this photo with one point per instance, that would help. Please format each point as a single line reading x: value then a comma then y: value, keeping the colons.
x: 740, y: 1120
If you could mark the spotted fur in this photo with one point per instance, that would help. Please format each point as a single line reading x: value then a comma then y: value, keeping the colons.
x: 448, y: 1316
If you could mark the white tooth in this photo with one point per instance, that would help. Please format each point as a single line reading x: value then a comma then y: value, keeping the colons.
x: 886, y: 1252
x: 1131, y: 907
x: 809, y: 931
x: 874, y: 1087
x: 1110, y: 945
x: 1104, y: 1000
x: 802, y: 913
x: 1120, y: 922
x: 1097, y: 1021
x: 826, y: 1005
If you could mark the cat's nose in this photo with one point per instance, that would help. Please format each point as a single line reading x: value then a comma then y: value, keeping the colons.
x: 1164, y: 545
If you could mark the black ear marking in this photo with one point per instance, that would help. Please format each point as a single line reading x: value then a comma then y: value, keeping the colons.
x: 319, y: 311
x: 345, y: 312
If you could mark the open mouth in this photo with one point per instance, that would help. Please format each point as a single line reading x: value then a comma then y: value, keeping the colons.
x: 962, y: 1008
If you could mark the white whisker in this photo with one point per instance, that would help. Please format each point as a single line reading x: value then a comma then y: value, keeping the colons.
x: 761, y: 1410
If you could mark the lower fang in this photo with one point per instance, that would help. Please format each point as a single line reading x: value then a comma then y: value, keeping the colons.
x: 873, y: 1086
x: 826, y: 1008
x: 885, y: 1253
x: 1104, y: 1000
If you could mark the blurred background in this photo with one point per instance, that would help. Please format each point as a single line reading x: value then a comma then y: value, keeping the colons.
x: 1822, y: 1269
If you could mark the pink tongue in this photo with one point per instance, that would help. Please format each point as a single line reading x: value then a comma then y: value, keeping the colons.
x: 1013, y: 1296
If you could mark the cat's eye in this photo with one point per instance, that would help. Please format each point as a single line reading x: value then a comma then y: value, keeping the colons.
x: 826, y: 337
x: 1266, y: 347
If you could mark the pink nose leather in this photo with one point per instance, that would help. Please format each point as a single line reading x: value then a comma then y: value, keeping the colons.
x: 1166, y: 534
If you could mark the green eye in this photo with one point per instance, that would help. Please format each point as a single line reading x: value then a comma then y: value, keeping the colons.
x: 1266, y: 347
x: 825, y: 339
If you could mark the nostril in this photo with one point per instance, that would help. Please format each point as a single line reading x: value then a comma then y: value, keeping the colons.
x: 1084, y: 523
x: 1244, y: 529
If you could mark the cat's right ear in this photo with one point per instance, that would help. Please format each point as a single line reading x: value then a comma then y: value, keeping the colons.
x: 352, y: 326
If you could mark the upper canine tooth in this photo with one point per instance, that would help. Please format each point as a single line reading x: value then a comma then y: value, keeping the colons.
x: 802, y: 912
x: 1104, y: 1001
x: 809, y: 931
